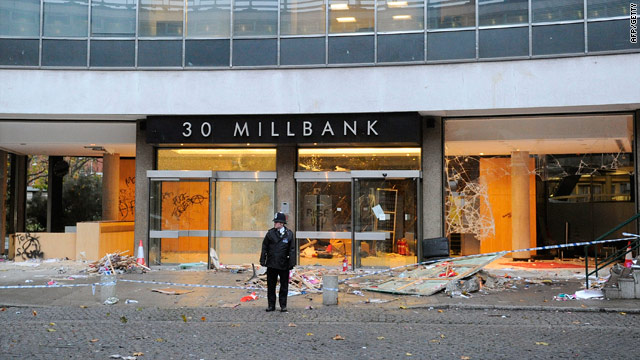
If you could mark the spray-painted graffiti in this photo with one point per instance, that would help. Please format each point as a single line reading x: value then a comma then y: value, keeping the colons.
x: 28, y: 247
x: 127, y: 199
x: 182, y: 202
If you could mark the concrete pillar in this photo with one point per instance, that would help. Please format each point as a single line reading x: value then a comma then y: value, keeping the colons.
x: 330, y: 290
x: 636, y: 165
x: 18, y: 201
x: 58, y: 168
x: 145, y: 155
x: 432, y: 180
x: 520, y: 213
x: 3, y: 200
x: 286, y: 184
x: 110, y: 186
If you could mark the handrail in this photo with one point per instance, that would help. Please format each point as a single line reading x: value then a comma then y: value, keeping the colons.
x: 635, y: 244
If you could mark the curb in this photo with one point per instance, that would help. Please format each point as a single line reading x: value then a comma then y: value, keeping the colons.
x: 525, y: 308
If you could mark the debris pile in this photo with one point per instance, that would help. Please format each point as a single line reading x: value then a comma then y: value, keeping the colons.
x: 115, y: 263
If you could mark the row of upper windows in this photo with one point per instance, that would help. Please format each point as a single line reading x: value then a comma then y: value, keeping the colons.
x: 250, y: 18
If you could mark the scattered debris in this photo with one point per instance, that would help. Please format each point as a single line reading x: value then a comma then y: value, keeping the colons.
x: 116, y: 263
x: 129, y: 301
x: 233, y: 306
x: 172, y: 291
x: 250, y: 297
x: 564, y: 297
x: 111, y: 300
x: 589, y: 294
x: 338, y: 337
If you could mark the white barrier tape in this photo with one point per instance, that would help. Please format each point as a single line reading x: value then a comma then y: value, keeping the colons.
x: 54, y: 286
x: 330, y: 289
x: 548, y: 247
x: 194, y: 285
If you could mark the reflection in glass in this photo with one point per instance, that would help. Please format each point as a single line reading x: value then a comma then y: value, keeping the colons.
x: 217, y: 159
x: 346, y: 159
x: 160, y: 18
x: 255, y: 17
x: 113, y: 17
x: 65, y: 18
x: 324, y: 207
x: 557, y: 10
x: 610, y: 8
x: 579, y: 173
x: 443, y: 14
x: 503, y: 12
x: 385, y: 216
x: 208, y: 18
x: 404, y: 15
x: 302, y: 17
x: 20, y: 18
x: 242, y: 206
x: 349, y: 16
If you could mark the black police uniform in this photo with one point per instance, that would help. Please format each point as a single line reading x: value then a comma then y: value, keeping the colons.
x: 279, y: 256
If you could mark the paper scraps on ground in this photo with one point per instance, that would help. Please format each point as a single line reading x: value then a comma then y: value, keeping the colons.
x: 589, y: 294
x: 172, y: 291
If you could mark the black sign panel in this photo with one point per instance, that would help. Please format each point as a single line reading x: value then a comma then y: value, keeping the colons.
x: 266, y: 129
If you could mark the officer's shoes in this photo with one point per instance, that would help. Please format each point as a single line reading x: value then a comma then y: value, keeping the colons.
x: 269, y: 309
x: 284, y: 309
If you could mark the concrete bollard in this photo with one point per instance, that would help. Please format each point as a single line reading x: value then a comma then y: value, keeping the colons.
x: 330, y: 290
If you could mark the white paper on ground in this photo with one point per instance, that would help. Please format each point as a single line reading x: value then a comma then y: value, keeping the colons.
x: 589, y: 294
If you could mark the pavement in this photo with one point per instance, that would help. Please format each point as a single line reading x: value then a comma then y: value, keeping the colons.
x: 530, y: 287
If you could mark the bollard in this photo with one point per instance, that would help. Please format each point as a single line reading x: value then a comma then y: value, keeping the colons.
x: 109, y: 290
x: 330, y: 290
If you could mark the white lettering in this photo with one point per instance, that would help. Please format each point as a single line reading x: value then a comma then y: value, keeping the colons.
x: 289, y: 133
x: 370, y: 127
x: 353, y: 129
x: 187, y: 129
x: 273, y: 130
x: 244, y: 129
x: 205, y: 129
x: 327, y: 127
x: 306, y: 128
x: 259, y: 128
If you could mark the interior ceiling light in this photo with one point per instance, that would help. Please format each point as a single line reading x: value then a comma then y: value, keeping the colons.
x: 340, y: 6
x: 346, y: 19
x: 401, y: 17
x: 396, y: 3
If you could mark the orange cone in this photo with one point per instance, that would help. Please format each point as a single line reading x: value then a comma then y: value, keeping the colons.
x: 140, y: 258
x: 628, y: 259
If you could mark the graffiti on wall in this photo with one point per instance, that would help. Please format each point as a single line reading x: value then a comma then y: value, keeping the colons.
x: 127, y: 199
x: 28, y: 247
x: 182, y: 202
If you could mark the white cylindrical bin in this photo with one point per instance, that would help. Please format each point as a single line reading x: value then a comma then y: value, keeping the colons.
x: 108, y: 289
x: 330, y: 290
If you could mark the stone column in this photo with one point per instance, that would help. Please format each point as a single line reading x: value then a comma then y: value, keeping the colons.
x: 286, y: 184
x: 145, y: 155
x: 432, y: 180
x: 520, y: 214
x: 110, y: 186
x: 58, y: 168
x: 3, y: 200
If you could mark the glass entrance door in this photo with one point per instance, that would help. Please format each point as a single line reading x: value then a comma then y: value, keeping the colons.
x: 179, y: 217
x: 385, y: 217
x: 244, y: 208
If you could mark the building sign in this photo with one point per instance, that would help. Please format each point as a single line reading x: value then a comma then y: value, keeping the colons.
x: 326, y: 128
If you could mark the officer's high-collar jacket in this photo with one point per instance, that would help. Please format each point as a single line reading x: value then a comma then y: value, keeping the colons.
x: 278, y: 249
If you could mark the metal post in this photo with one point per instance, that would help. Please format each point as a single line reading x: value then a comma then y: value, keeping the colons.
x: 595, y: 258
x: 586, y: 265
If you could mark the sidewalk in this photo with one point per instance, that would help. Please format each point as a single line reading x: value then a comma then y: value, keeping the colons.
x: 524, y: 290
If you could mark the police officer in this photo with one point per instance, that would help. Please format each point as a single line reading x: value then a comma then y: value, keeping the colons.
x: 279, y: 256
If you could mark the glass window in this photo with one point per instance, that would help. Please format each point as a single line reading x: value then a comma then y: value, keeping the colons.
x: 160, y: 53
x: 349, y: 16
x: 251, y: 18
x: 113, y: 18
x: 20, y: 17
x: 208, y: 18
x: 439, y: 45
x: 19, y: 52
x: 403, y: 15
x: 65, y: 18
x: 160, y: 18
x: 302, y: 51
x: 64, y: 53
x: 113, y: 53
x: 504, y: 42
x: 569, y: 173
x: 250, y: 52
x: 610, y: 35
x: 302, y: 17
x: 503, y: 12
x: 557, y: 10
x: 400, y: 47
x: 558, y: 39
x: 207, y: 52
x: 217, y: 159
x: 347, y: 159
x: 610, y: 8
x: 443, y: 14
x: 351, y: 50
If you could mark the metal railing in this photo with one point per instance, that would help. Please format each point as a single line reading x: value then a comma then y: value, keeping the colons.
x: 633, y: 245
